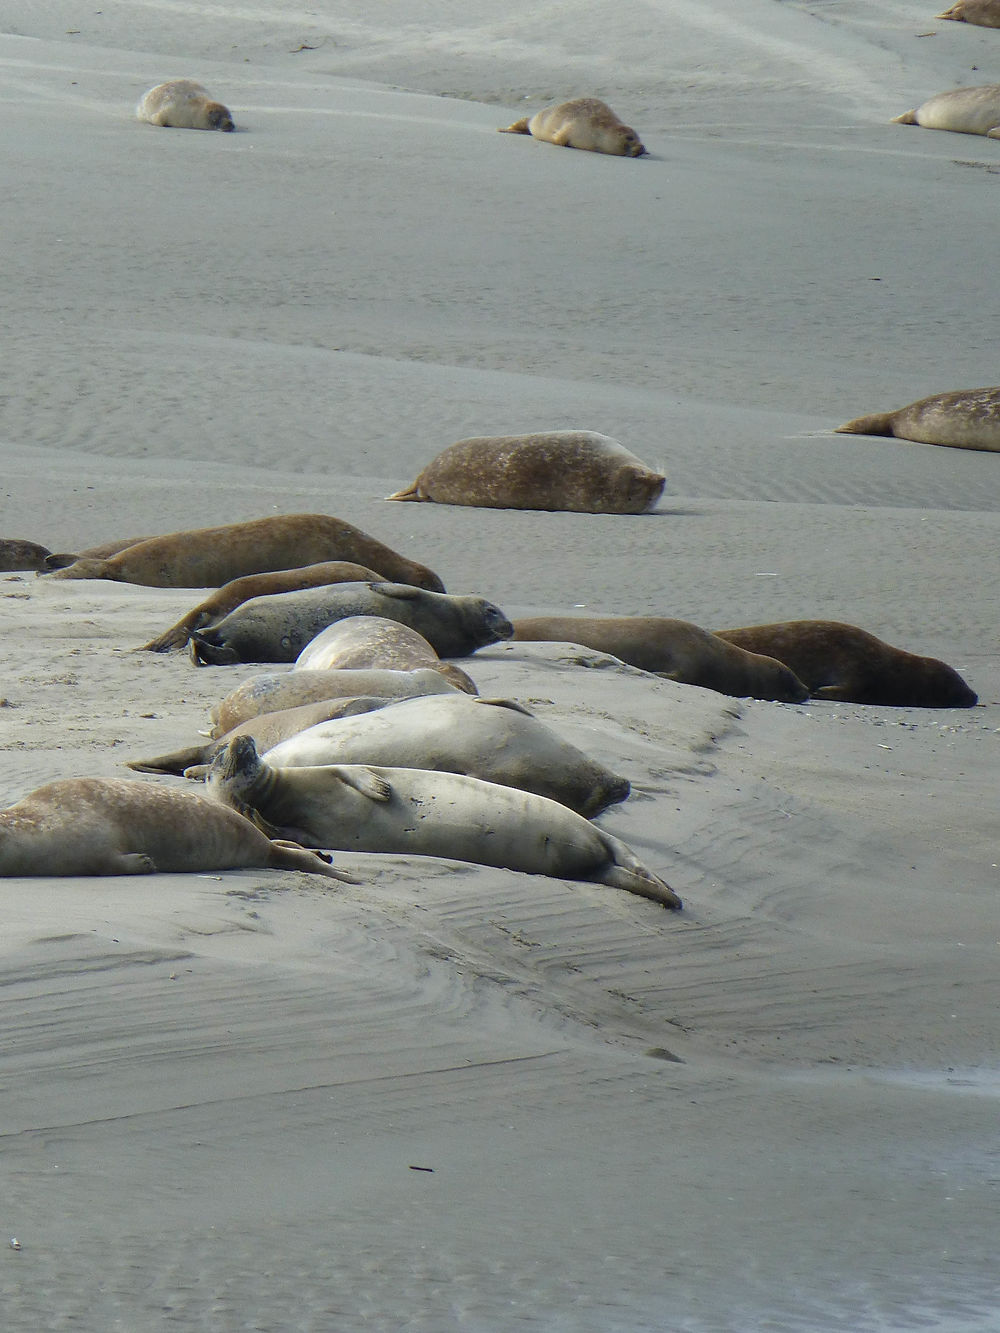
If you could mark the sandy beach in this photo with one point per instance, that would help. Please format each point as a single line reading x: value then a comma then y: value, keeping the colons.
x: 455, y: 1099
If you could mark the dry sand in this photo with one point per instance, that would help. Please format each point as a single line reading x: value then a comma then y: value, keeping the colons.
x: 454, y: 1098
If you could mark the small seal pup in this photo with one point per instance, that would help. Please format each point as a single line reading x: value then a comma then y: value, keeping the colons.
x: 585, y: 122
x: 111, y: 826
x: 838, y: 661
x: 374, y: 641
x: 577, y: 470
x: 276, y: 629
x: 210, y: 557
x: 235, y: 593
x: 361, y: 808
x: 269, y: 692
x: 183, y: 104
x: 675, y: 649
x: 962, y: 110
x: 495, y: 740
x: 961, y: 419
x: 984, y: 13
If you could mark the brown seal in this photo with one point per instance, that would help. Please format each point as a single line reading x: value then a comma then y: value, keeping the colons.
x: 111, y: 826
x: 185, y: 105
x: 675, y: 649
x: 577, y: 470
x: 838, y: 661
x: 373, y: 641
x: 19, y: 555
x: 234, y: 594
x: 961, y: 110
x: 984, y: 13
x: 962, y: 419
x: 210, y: 557
x: 268, y: 692
x: 266, y: 729
x: 585, y: 122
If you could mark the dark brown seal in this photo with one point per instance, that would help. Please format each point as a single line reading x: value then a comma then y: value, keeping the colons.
x: 962, y: 419
x: 838, y: 661
x: 19, y: 555
x: 675, y: 649
x: 210, y: 557
x: 576, y: 470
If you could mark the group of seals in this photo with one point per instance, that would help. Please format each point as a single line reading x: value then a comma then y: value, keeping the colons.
x: 576, y: 470
x: 584, y: 122
x: 962, y: 419
x: 366, y: 808
x: 183, y: 104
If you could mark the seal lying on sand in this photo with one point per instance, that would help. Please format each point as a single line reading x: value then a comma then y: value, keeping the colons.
x: 577, y: 470
x: 110, y: 826
x: 234, y: 594
x: 495, y: 740
x: 408, y: 810
x: 962, y: 110
x: 373, y: 641
x: 843, y: 662
x: 962, y: 419
x: 585, y: 122
x: 276, y: 629
x: 984, y: 13
x: 269, y: 692
x: 185, y: 105
x: 19, y: 555
x: 675, y: 649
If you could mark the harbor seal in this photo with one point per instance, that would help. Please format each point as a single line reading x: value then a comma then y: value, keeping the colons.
x: 961, y: 419
x: 838, y: 661
x: 267, y: 730
x: 374, y: 641
x: 17, y: 555
x: 276, y: 629
x: 584, y: 122
x: 495, y: 740
x: 185, y: 105
x: 675, y: 649
x: 111, y: 826
x: 962, y: 110
x: 362, y: 808
x: 269, y: 692
x: 234, y: 594
x: 210, y: 557
x: 577, y: 470
x: 984, y: 13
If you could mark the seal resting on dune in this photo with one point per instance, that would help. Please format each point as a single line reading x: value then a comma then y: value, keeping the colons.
x: 584, y: 122
x: 362, y: 808
x: 838, y: 661
x: 111, y: 826
x: 961, y: 419
x: 183, y: 104
x: 961, y: 110
x: 577, y: 470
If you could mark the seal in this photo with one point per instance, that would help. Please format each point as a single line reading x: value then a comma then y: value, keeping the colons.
x: 185, y: 105
x: 267, y: 693
x: 210, y: 557
x: 984, y: 13
x: 585, y: 122
x: 962, y: 110
x: 838, y: 661
x: 111, y: 826
x: 267, y: 730
x: 675, y: 649
x: 276, y: 629
x: 576, y: 470
x: 407, y: 810
x: 235, y: 593
x: 374, y: 641
x: 17, y: 555
x: 962, y: 419
x: 495, y: 740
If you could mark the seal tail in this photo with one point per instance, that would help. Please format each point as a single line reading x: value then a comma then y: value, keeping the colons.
x: 172, y: 763
x: 879, y: 423
x: 411, y: 493
x: 519, y: 127
x: 907, y: 118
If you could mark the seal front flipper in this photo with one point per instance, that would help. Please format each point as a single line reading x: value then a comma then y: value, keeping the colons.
x: 131, y: 863
x: 365, y: 781
x: 404, y: 592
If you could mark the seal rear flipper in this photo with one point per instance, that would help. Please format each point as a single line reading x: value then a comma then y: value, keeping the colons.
x: 519, y: 127
x: 74, y: 567
x: 293, y: 856
x: 879, y: 423
x: 643, y: 883
x: 171, y: 763
x: 177, y: 635
x: 411, y: 493
x: 907, y: 118
x: 842, y: 693
x: 57, y: 560
x: 512, y: 704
